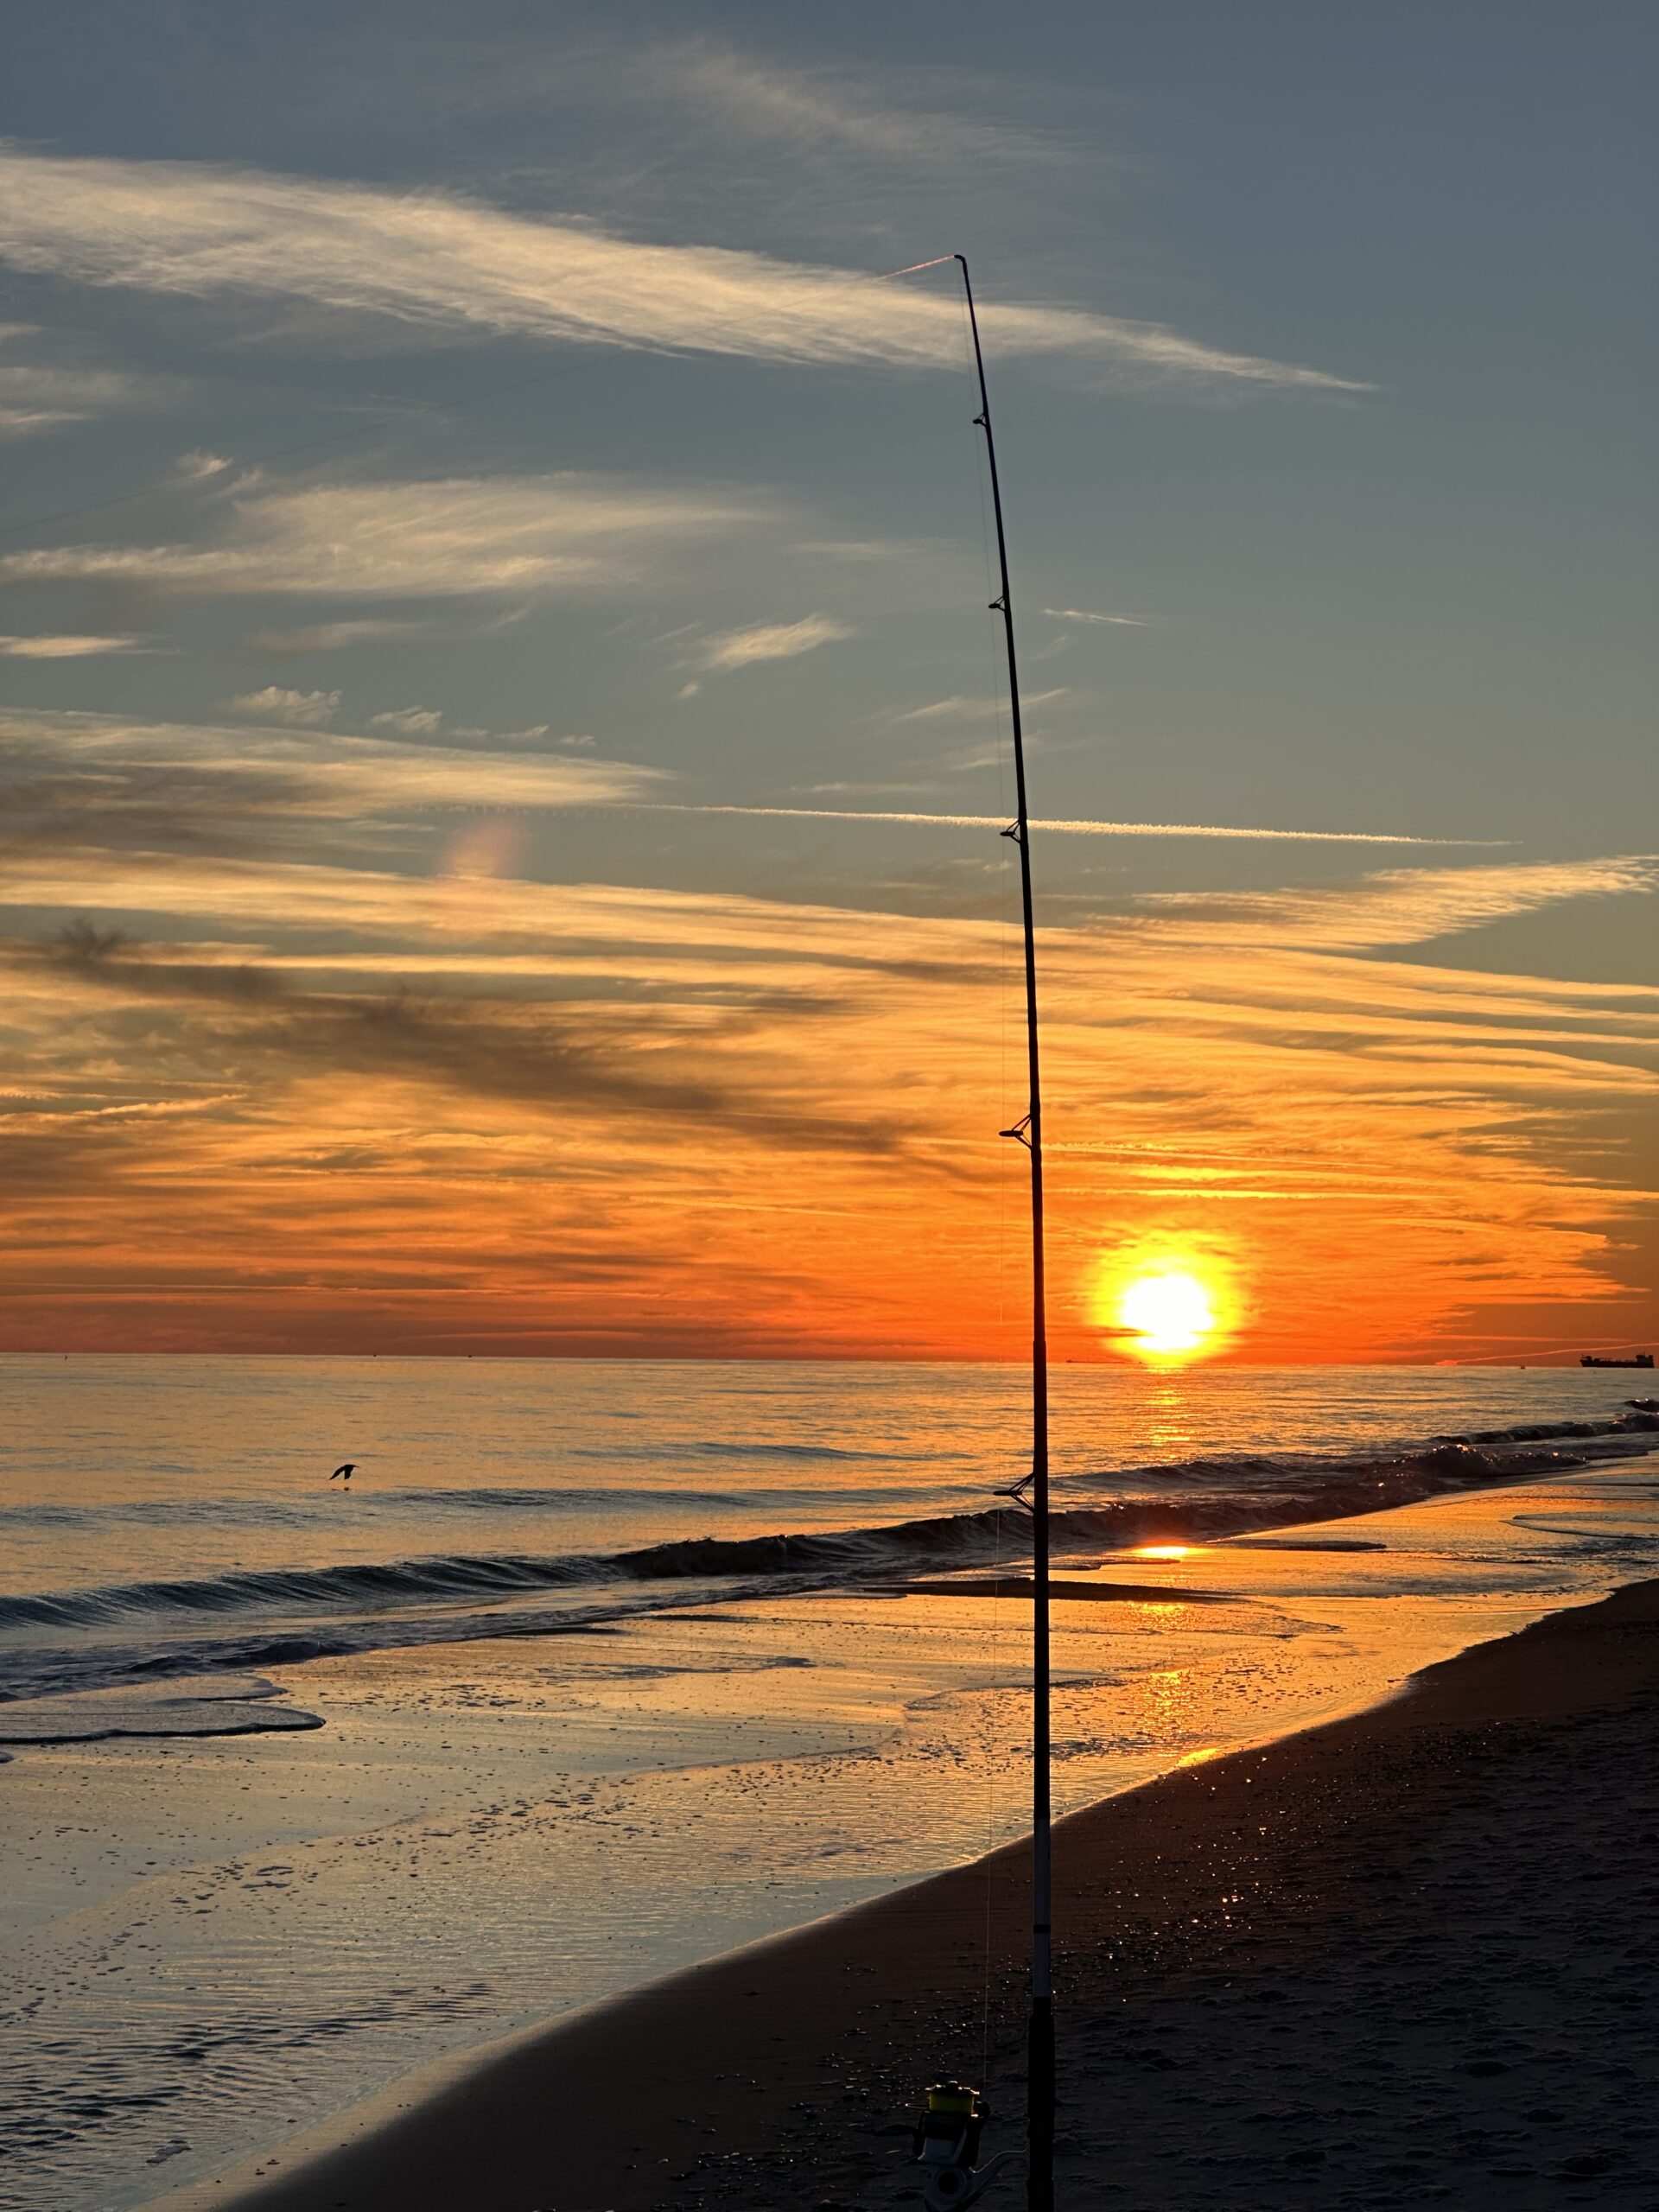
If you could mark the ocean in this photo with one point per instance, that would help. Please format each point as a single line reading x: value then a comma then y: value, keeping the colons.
x: 598, y: 1668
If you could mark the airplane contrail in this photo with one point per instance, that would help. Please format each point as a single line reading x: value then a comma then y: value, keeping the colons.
x: 1060, y: 828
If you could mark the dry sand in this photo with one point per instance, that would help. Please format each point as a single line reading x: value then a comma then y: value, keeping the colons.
x: 1402, y: 1960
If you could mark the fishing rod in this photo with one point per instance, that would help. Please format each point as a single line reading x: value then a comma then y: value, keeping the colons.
x: 1032, y: 1491
x: 949, y: 2149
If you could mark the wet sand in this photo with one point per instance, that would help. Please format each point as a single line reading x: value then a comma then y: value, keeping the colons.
x: 1406, y: 1958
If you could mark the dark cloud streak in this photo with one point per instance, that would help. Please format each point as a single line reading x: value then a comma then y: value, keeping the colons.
x: 478, y: 1047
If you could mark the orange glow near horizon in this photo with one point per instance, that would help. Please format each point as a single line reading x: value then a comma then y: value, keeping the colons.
x: 325, y: 1109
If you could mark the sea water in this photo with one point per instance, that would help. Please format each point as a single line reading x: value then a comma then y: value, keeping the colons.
x: 596, y: 1668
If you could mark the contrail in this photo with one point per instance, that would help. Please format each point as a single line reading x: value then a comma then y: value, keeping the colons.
x: 1082, y: 614
x: 1063, y: 829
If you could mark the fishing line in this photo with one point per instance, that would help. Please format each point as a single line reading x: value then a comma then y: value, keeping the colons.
x: 937, y: 262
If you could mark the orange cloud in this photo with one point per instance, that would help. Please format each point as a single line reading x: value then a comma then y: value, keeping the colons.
x: 328, y: 1107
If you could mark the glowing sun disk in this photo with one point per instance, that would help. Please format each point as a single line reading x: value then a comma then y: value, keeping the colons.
x: 1169, y: 1311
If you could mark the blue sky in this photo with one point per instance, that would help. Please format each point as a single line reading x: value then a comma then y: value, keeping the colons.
x: 522, y: 461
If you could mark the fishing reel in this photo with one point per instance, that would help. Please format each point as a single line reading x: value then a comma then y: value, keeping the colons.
x: 946, y: 2144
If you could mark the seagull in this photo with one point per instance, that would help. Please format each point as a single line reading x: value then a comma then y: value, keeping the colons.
x: 348, y: 1469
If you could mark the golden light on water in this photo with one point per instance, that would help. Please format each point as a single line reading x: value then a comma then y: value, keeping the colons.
x: 1162, y: 1551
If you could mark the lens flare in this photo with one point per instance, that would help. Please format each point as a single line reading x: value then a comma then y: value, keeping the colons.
x: 492, y: 846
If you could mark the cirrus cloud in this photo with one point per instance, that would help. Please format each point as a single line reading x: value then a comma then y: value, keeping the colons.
x: 304, y: 710
x: 69, y: 646
x: 407, y: 1056
x: 437, y: 261
x: 87, y: 783
x: 40, y: 389
x: 437, y: 539
x: 769, y: 641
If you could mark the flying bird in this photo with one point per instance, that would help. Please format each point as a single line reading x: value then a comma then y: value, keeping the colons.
x: 347, y: 1469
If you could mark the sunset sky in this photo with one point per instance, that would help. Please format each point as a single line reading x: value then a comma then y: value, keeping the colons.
x: 480, y: 535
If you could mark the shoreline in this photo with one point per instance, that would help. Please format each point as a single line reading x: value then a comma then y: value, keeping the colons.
x: 781, y: 2072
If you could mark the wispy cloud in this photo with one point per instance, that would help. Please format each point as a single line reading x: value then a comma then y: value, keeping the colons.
x: 71, y: 646
x: 807, y: 111
x: 525, y: 1055
x: 439, y: 261
x: 863, y: 160
x: 413, y: 1055
x: 199, y: 467
x: 424, y: 724
x: 409, y: 721
x: 35, y: 398
x: 304, y: 710
x: 979, y: 709
x: 448, y: 537
x: 72, y: 781
x: 327, y: 637
x: 732, y: 649
x: 1403, y: 906
x: 43, y: 386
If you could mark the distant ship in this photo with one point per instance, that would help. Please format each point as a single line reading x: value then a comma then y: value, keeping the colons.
x: 1638, y: 1359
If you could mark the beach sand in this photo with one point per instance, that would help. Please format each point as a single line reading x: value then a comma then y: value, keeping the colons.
x: 1406, y: 1958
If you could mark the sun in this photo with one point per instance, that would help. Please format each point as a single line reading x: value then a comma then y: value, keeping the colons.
x: 1166, y: 1303
x: 1169, y: 1312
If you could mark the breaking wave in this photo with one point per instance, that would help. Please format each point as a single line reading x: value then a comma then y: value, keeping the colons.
x: 272, y: 1617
